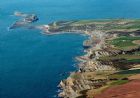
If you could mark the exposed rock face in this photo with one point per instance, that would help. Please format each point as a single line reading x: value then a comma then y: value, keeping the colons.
x: 68, y: 88
x: 96, y: 47
x: 78, y: 86
x: 87, y: 44
x: 77, y: 82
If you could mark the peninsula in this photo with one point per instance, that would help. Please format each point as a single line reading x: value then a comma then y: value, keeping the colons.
x: 112, y: 58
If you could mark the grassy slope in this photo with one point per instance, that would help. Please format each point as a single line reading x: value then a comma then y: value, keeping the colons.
x: 124, y: 42
x: 111, y: 24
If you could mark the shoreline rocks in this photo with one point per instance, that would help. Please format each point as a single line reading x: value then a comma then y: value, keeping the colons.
x: 24, y: 21
x: 78, y: 82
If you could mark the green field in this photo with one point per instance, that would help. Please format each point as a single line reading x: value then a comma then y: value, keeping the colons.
x: 122, y: 76
x: 136, y: 71
x: 125, y: 42
x: 122, y: 56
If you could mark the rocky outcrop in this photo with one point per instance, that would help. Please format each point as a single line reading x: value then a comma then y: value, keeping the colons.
x: 77, y: 84
x: 25, y: 20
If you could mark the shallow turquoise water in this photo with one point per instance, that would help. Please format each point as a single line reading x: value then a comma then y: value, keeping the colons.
x: 31, y: 63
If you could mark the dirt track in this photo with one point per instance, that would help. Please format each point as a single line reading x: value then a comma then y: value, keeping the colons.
x: 128, y: 90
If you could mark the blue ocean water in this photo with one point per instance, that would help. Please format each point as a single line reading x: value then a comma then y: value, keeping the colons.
x: 30, y: 62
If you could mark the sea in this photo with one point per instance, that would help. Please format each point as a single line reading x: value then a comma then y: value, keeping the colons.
x: 31, y: 63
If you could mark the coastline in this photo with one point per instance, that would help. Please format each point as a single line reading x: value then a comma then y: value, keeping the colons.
x: 110, y: 49
x: 38, y: 50
x: 93, y: 73
x: 66, y: 84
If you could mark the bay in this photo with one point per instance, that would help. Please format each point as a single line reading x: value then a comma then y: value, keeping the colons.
x: 30, y: 62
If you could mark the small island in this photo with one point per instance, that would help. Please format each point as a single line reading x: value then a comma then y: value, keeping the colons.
x: 111, y: 65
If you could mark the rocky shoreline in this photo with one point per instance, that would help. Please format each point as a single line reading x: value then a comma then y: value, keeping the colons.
x: 71, y: 87
x: 110, y: 50
x: 94, y: 72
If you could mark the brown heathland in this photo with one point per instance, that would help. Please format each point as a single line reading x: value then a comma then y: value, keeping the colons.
x: 128, y: 90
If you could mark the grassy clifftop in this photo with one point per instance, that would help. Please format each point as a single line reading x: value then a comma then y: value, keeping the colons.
x: 104, y: 25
